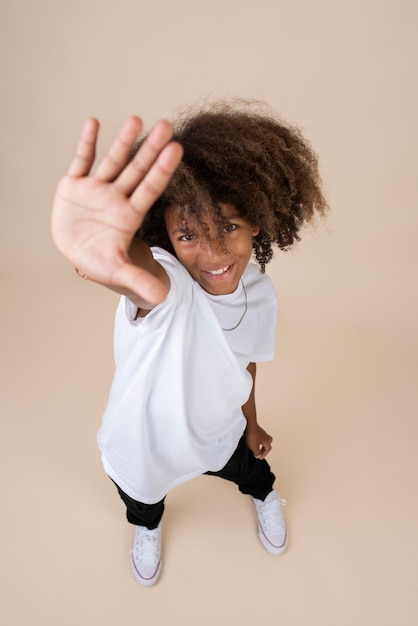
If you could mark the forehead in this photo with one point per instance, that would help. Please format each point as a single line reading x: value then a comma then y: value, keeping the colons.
x: 210, y: 217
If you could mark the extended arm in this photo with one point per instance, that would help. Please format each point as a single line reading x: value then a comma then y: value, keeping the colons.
x: 95, y: 216
x: 256, y: 437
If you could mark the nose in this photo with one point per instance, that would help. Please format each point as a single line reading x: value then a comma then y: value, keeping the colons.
x: 213, y: 249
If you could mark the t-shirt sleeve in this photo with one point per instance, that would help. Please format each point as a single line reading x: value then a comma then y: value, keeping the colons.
x: 127, y: 327
x: 265, y: 341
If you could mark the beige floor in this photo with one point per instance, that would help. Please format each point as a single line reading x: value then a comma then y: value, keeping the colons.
x: 341, y: 402
x: 341, y: 398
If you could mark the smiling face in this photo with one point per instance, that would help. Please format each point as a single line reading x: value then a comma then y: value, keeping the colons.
x: 215, y: 256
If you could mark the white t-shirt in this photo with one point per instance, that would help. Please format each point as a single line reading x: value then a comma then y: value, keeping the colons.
x: 174, y: 409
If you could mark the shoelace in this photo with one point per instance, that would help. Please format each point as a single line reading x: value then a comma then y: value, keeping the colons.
x: 147, y: 544
x: 271, y: 514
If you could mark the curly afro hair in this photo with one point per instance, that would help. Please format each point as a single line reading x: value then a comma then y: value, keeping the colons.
x: 239, y: 153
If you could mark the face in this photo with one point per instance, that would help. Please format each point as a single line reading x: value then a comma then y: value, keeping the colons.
x: 218, y: 262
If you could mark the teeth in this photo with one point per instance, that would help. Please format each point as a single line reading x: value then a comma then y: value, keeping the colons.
x: 221, y: 271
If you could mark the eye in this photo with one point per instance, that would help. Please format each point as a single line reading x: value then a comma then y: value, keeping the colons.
x: 186, y: 237
x: 229, y: 228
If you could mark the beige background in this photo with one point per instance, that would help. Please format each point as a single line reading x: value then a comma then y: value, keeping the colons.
x: 341, y: 397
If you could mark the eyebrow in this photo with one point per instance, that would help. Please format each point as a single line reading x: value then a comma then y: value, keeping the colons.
x: 227, y: 218
x: 180, y: 230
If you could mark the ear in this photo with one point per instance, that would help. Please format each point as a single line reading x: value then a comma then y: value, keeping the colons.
x: 254, y: 231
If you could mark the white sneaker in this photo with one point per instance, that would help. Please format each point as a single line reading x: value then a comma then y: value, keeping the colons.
x: 271, y: 524
x: 145, y: 555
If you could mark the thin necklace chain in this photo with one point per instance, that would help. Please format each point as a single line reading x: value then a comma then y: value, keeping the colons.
x: 245, y: 310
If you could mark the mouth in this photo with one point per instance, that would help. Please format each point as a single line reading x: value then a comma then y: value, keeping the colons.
x: 218, y: 272
x: 218, y: 280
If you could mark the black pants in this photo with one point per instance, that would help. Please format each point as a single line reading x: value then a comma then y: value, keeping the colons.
x: 252, y: 476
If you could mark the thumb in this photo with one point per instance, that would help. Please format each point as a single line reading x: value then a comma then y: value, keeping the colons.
x: 148, y: 287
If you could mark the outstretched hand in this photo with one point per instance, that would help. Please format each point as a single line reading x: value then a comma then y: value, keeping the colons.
x: 95, y: 216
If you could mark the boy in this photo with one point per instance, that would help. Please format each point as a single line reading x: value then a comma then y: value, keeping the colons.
x: 172, y: 226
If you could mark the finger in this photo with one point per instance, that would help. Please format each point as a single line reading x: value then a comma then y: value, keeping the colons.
x: 120, y: 150
x: 86, y: 149
x: 156, y: 180
x: 146, y: 156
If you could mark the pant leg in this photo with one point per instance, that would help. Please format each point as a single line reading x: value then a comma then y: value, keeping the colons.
x: 253, y: 476
x: 141, y: 514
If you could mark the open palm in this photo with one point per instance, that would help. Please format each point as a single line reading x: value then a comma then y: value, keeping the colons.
x: 95, y: 216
